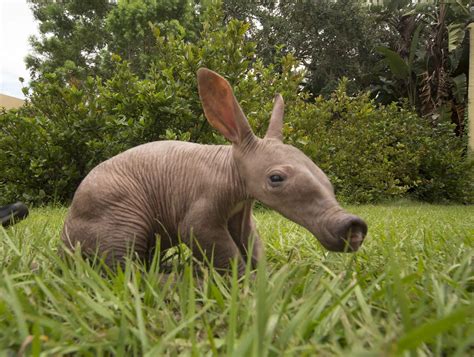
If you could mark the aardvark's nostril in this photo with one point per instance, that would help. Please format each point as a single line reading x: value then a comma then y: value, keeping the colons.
x: 344, y: 233
x: 355, y: 230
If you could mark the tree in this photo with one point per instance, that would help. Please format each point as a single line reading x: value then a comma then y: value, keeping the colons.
x: 71, y: 31
x: 83, y: 34
x: 332, y: 39
x: 428, y: 64
x: 130, y: 25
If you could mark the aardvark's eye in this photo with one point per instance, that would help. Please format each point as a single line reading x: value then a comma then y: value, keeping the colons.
x: 276, y: 178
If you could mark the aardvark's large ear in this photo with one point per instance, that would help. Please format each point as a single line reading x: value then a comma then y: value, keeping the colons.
x: 220, y: 106
x: 275, y: 127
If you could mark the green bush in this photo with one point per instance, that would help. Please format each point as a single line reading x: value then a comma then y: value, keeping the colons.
x: 374, y: 153
x: 446, y: 175
x: 49, y: 145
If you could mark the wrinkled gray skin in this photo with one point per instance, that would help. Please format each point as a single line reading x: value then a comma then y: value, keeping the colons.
x: 176, y: 189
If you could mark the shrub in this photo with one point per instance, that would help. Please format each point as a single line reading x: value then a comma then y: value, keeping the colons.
x: 49, y: 145
x: 373, y: 153
x: 445, y: 173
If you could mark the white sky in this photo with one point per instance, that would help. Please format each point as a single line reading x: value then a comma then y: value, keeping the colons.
x: 16, y: 25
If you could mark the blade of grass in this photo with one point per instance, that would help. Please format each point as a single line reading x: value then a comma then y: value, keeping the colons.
x: 429, y: 330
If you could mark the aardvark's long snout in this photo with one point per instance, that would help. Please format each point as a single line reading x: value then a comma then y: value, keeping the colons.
x: 343, y: 234
x: 351, y: 232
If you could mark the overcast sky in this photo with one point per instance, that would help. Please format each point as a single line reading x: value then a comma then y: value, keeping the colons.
x: 16, y: 25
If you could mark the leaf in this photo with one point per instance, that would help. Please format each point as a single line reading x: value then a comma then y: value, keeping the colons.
x: 460, y: 87
x: 396, y: 63
x: 455, y: 35
x: 462, y: 7
x: 414, y: 44
x: 427, y: 105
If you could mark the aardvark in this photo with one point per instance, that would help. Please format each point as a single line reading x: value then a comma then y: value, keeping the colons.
x: 203, y: 195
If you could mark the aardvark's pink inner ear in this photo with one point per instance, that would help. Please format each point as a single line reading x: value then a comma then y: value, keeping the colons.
x: 220, y: 106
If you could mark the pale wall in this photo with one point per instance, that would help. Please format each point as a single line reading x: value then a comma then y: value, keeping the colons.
x: 9, y: 102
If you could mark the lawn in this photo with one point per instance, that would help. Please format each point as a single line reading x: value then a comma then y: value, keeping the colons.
x: 408, y: 291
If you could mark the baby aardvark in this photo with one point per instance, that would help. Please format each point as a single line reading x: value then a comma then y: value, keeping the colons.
x: 203, y: 195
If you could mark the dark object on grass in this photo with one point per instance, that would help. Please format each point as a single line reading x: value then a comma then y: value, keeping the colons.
x: 13, y: 213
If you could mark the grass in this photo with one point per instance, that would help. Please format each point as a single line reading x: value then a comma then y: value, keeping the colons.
x: 408, y: 291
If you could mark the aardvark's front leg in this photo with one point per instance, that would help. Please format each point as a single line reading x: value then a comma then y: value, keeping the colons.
x: 244, y: 233
x: 214, y: 243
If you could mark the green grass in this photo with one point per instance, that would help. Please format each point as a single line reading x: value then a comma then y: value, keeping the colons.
x: 408, y: 291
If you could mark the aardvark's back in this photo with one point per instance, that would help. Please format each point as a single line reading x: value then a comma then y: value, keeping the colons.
x: 139, y: 193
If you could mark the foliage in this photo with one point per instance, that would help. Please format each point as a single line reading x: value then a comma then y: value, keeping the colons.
x: 72, y: 30
x: 428, y: 61
x: 331, y: 39
x: 70, y: 125
x: 51, y: 144
x: 130, y: 23
x: 407, y: 291
x: 87, y: 33
x: 373, y: 152
x: 73, y: 119
x: 447, y: 174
